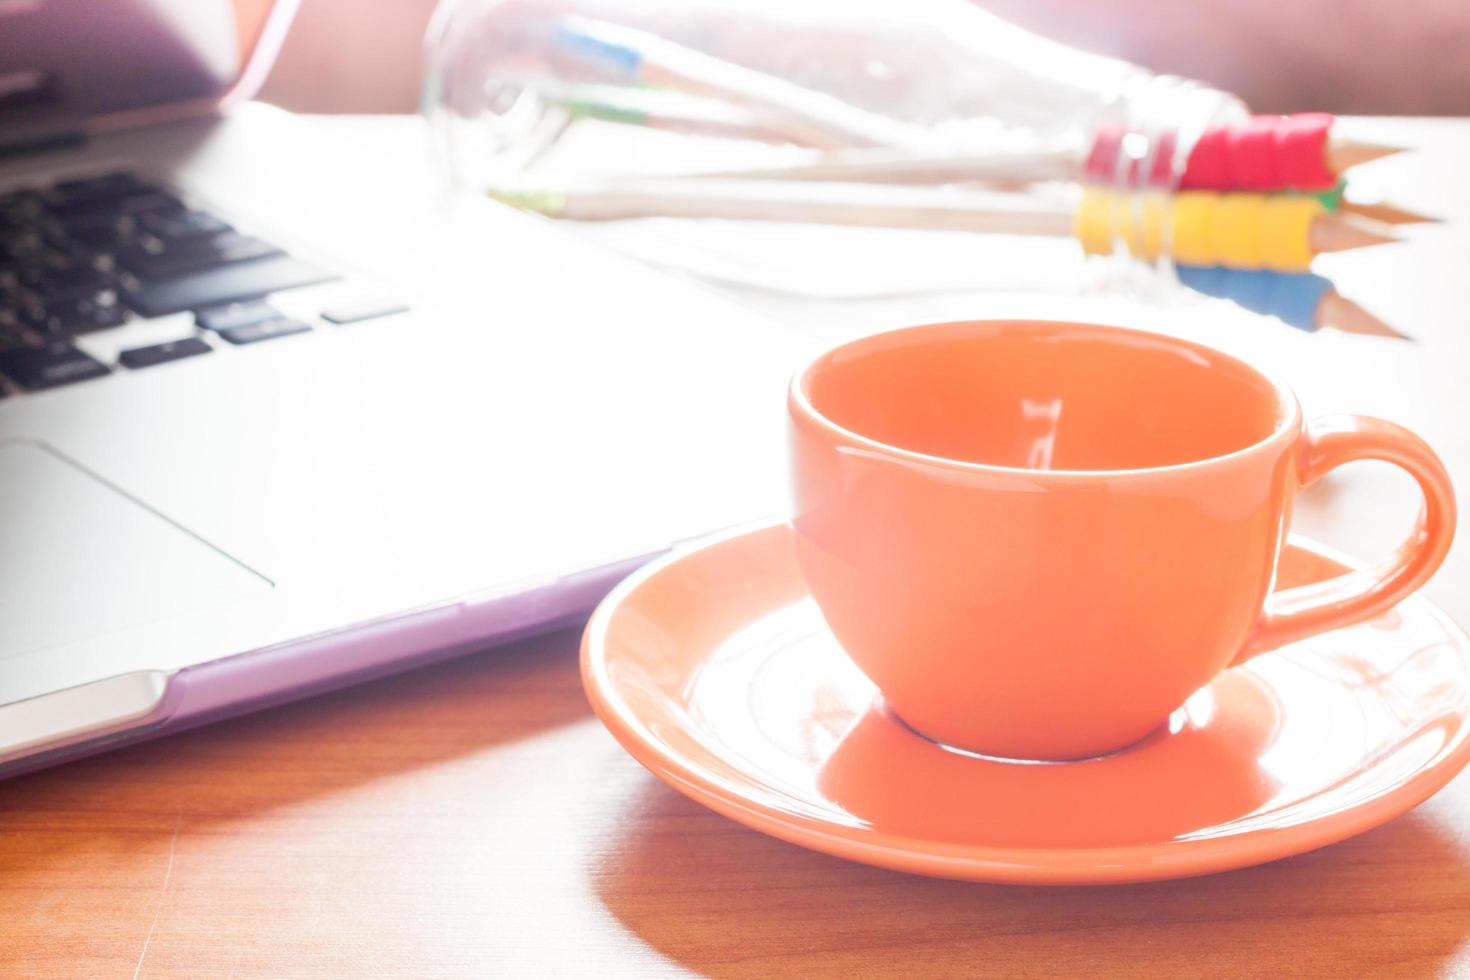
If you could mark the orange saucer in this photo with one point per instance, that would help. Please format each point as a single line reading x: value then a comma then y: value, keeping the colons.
x: 715, y: 670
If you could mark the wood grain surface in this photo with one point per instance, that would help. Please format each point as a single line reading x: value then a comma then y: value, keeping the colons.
x: 473, y: 819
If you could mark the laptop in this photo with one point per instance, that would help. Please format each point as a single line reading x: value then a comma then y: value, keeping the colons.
x: 276, y: 417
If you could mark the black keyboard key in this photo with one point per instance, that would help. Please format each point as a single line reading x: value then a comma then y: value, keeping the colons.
x: 26, y: 313
x: 270, y: 330
x: 112, y: 224
x: 26, y: 247
x: 35, y: 258
x: 81, y: 313
x: 96, y: 228
x: 12, y: 334
x: 158, y: 259
x: 141, y: 357
x: 149, y: 202
x: 88, y: 193
x: 20, y: 209
x: 114, y: 184
x: 56, y: 363
x: 68, y: 279
x: 246, y: 280
x: 179, y: 225
x: 236, y: 315
x: 24, y: 203
x: 365, y: 309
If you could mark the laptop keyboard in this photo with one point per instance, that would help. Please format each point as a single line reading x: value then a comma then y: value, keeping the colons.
x: 94, y: 254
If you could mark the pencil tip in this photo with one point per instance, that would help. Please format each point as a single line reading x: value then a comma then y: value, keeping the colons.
x: 1336, y: 310
x: 1341, y: 232
x: 1346, y: 154
x: 1388, y: 214
x: 542, y: 200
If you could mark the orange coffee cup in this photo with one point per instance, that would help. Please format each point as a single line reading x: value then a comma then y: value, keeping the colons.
x: 1037, y: 539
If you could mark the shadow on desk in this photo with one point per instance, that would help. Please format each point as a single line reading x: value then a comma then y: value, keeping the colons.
x: 297, y: 761
x: 726, y: 901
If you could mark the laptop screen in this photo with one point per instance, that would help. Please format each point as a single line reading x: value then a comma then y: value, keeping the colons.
x: 65, y: 63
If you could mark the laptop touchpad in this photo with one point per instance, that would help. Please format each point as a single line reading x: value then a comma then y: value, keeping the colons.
x: 79, y: 558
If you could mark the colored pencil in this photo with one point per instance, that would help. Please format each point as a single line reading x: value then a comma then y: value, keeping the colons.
x: 666, y: 110
x: 1337, y: 311
x: 855, y: 205
x: 1000, y: 170
x: 883, y: 166
x: 1385, y: 213
x: 878, y: 206
x: 1345, y: 154
x: 1344, y: 232
x: 1257, y: 153
x: 1302, y: 300
x: 647, y: 59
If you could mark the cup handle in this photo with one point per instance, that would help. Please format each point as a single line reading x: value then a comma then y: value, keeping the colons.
x: 1330, y: 441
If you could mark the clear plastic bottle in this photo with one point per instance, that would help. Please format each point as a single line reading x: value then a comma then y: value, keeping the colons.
x: 730, y: 84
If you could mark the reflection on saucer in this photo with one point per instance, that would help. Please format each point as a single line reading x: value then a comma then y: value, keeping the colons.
x: 1199, y: 776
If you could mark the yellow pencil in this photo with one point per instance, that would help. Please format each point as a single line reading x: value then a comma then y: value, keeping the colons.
x: 1245, y: 230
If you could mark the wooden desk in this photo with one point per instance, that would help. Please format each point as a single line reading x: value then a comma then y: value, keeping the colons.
x: 474, y: 819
